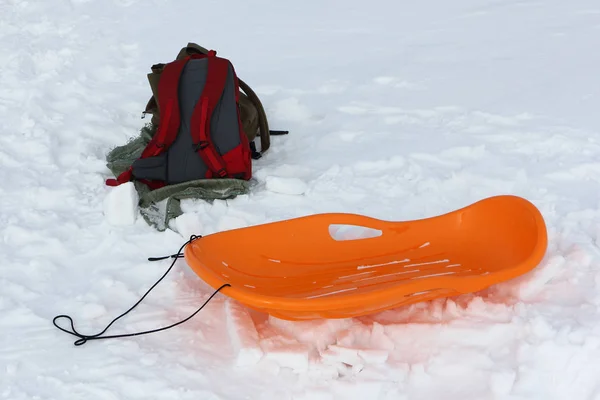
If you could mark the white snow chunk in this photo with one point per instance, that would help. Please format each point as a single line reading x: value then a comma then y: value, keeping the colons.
x: 286, y: 352
x: 294, y: 356
x: 502, y: 382
x: 318, y: 333
x: 336, y: 354
x: 373, y: 356
x: 121, y: 205
x: 292, y: 186
x: 243, y: 334
x: 189, y: 224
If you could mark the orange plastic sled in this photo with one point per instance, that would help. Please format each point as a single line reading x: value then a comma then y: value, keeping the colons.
x: 297, y: 269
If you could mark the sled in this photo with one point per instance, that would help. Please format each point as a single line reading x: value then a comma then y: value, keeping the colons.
x: 302, y: 268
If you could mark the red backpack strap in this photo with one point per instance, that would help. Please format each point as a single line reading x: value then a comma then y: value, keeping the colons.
x: 216, y: 78
x: 168, y: 103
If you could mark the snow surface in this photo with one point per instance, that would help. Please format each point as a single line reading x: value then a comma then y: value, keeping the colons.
x: 396, y: 110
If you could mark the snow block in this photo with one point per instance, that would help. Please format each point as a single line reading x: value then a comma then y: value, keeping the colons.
x: 286, y: 351
x: 336, y: 354
x: 243, y: 334
x: 502, y: 382
x: 293, y: 186
x: 121, y: 205
x: 189, y: 224
x: 318, y: 334
x: 290, y: 355
x: 373, y: 356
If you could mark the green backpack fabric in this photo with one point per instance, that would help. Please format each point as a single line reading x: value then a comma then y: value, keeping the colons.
x: 252, y: 113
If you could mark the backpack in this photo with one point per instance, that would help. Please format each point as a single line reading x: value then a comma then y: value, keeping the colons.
x: 204, y: 125
x: 254, y: 118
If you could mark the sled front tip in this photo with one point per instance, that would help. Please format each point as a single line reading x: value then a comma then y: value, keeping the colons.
x: 299, y: 268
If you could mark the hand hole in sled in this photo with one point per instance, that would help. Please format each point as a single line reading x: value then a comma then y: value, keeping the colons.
x: 341, y: 232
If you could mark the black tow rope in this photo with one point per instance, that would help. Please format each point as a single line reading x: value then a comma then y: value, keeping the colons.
x: 85, y: 338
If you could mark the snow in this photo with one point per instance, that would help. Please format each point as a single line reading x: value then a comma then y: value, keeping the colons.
x: 121, y: 205
x: 244, y: 337
x: 396, y: 111
x: 292, y: 186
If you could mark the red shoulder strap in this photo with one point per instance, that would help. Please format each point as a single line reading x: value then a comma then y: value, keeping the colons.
x: 200, y: 123
x: 168, y: 103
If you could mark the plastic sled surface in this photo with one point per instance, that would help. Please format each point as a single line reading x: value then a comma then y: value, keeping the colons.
x: 302, y: 269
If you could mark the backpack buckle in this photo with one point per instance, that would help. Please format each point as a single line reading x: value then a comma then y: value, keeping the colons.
x: 222, y: 173
x: 201, y: 145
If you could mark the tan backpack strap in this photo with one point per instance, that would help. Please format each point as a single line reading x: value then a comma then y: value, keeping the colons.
x: 263, y: 125
x: 190, y: 49
x: 152, y: 105
x: 154, y: 78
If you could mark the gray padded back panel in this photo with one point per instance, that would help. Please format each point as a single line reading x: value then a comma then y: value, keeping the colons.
x: 182, y: 163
